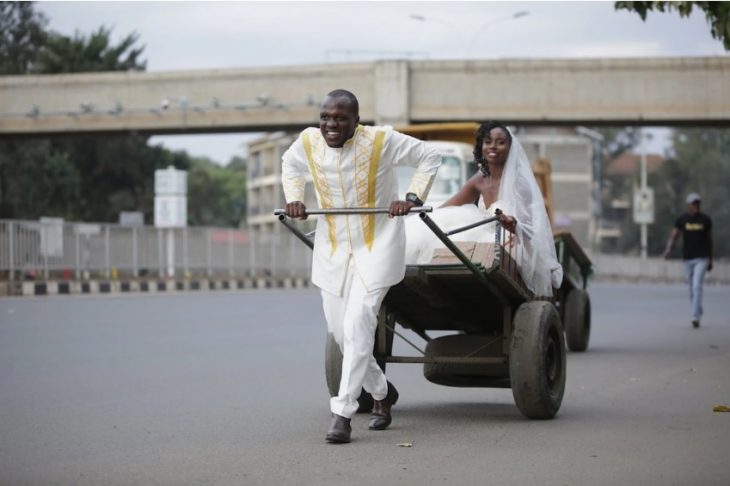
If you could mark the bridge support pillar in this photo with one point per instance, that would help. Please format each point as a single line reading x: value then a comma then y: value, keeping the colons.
x: 392, y: 85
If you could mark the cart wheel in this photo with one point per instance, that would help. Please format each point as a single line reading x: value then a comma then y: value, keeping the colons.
x: 465, y: 374
x: 333, y: 371
x: 537, y: 360
x: 577, y: 320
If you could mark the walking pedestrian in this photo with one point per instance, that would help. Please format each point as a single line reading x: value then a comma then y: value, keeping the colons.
x: 696, y: 230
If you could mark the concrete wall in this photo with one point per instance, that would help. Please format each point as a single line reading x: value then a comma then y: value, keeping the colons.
x: 621, y: 91
x: 663, y: 90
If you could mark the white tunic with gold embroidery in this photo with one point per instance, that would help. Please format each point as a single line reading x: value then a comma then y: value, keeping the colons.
x: 360, y: 174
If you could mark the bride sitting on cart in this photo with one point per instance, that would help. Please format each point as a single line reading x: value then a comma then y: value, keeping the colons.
x: 504, y: 181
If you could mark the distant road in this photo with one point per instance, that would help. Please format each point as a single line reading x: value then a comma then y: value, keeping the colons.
x: 228, y: 388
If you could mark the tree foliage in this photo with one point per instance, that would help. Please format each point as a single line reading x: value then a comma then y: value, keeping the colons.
x: 717, y: 14
x: 62, y: 54
x: 216, y: 195
x: 700, y: 163
x: 22, y: 36
x: 93, y: 178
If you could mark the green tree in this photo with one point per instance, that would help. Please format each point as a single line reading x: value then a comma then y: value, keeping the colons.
x: 44, y: 181
x: 717, y: 14
x: 116, y: 173
x: 618, y: 187
x: 22, y: 35
x: 80, y: 53
x: 216, y: 195
x: 93, y: 178
x: 699, y: 163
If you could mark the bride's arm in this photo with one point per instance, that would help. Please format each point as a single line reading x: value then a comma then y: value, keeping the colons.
x: 466, y: 195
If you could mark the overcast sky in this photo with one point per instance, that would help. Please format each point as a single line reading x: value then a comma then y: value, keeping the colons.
x: 207, y: 35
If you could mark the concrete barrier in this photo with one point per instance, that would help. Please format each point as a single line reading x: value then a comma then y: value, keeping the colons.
x: 50, y: 287
x: 606, y: 268
x: 636, y: 269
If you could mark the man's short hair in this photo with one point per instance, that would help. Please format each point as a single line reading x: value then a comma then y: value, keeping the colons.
x: 343, y: 93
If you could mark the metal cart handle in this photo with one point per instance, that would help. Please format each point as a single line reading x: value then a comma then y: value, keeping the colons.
x: 341, y: 211
x: 497, y: 212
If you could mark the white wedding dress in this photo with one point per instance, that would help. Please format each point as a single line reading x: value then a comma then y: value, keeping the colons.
x: 421, y: 242
x: 520, y: 197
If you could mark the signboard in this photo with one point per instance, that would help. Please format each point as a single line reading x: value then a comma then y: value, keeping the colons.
x: 51, y: 237
x: 87, y: 229
x: 171, y: 182
x: 171, y: 211
x: 171, y: 201
x: 644, y: 205
x: 131, y: 218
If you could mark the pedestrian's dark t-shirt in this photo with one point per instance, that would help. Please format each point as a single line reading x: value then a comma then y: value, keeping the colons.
x: 695, y: 235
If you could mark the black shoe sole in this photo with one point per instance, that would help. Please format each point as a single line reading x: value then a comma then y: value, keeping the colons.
x: 337, y: 440
x: 380, y: 427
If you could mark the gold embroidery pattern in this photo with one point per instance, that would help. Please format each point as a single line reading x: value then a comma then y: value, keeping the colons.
x: 314, y: 148
x: 421, y: 184
x: 369, y: 145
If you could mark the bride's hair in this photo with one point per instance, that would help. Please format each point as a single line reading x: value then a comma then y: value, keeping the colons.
x: 482, y: 132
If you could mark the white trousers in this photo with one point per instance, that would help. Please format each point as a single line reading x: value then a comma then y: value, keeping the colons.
x: 352, y: 320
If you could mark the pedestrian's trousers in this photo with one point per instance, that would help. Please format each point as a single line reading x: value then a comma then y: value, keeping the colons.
x: 694, y: 270
x: 352, y: 319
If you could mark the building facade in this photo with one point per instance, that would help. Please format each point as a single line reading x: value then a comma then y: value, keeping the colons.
x: 570, y: 155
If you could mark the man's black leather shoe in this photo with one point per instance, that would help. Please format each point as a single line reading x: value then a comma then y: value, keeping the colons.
x: 380, y: 418
x: 339, y: 432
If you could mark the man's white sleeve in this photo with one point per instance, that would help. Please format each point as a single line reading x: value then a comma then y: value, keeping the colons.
x: 411, y: 151
x: 293, y: 170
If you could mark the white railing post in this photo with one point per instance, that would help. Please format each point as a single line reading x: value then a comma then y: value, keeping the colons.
x: 78, y: 256
x: 11, y: 250
x: 160, y: 254
x: 44, y: 229
x: 251, y: 251
x: 186, y: 263
x: 292, y: 257
x: 107, y: 252
x: 135, y: 263
x: 209, y: 252
x: 230, y: 253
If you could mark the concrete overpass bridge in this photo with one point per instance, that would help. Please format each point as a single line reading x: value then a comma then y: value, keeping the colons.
x: 636, y: 91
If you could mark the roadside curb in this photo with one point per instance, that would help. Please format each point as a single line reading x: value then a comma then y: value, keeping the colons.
x: 74, y: 287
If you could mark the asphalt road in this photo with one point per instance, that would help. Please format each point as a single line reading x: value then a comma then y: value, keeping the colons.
x: 228, y: 388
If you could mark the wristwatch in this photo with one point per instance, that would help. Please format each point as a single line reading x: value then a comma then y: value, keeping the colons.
x: 412, y: 198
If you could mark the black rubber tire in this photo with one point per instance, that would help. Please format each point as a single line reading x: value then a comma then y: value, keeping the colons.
x: 333, y: 372
x: 577, y: 320
x: 462, y: 374
x: 537, y: 360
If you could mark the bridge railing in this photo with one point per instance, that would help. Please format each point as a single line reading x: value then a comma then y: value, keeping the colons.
x: 34, y: 250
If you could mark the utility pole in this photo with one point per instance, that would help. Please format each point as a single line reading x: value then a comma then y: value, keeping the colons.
x: 644, y: 235
x: 643, y: 199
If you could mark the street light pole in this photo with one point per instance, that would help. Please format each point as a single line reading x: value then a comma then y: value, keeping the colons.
x: 468, y: 46
x: 514, y: 16
x: 422, y: 18
x: 644, y: 232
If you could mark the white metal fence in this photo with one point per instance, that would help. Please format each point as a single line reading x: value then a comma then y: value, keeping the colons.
x: 66, y: 250
x: 33, y: 250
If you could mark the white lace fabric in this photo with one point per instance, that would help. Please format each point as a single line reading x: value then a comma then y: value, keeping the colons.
x: 538, y: 262
x: 520, y: 197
